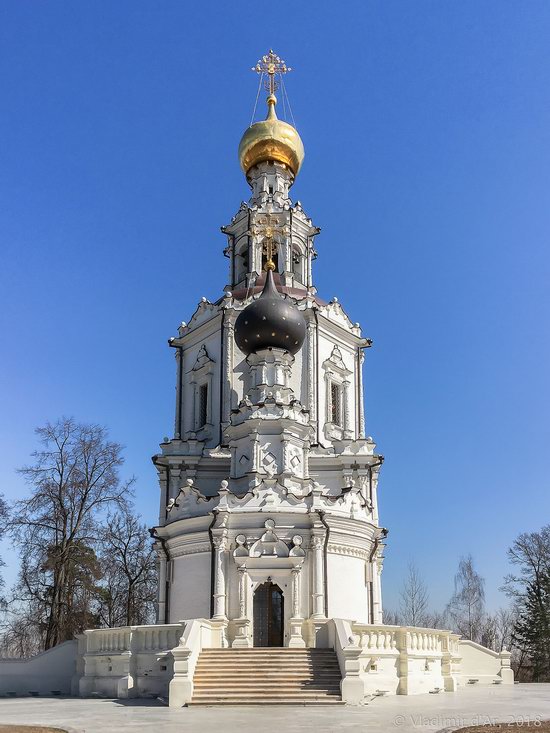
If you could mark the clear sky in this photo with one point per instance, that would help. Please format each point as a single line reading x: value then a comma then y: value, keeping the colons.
x: 426, y: 125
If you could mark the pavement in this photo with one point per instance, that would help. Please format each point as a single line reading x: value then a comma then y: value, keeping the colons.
x: 445, y: 712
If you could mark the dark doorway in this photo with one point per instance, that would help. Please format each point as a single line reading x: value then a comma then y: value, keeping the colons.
x: 268, y: 615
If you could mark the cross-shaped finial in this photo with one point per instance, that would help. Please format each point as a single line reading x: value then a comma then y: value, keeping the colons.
x: 269, y: 228
x: 271, y: 64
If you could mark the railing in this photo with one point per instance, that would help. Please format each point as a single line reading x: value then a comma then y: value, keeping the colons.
x: 375, y: 638
x: 383, y: 638
x: 378, y: 659
x: 155, y: 638
x: 424, y: 641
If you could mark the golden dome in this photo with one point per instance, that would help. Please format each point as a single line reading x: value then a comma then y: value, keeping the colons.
x: 271, y: 139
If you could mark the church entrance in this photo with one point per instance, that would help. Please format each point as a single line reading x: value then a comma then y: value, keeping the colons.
x: 268, y: 615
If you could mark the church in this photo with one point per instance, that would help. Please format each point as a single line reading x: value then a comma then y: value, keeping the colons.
x: 269, y: 485
x: 269, y: 540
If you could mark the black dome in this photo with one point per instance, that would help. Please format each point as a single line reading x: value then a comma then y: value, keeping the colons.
x: 271, y: 321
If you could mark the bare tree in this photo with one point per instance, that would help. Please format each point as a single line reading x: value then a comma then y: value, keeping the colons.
x: 4, y: 523
x: 436, y: 620
x: 466, y: 607
x: 391, y: 617
x: 128, y: 593
x: 530, y: 553
x: 74, y: 481
x: 19, y: 637
x: 414, y: 598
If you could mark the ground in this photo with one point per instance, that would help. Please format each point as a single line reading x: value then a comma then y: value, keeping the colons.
x: 446, y: 712
x: 541, y: 727
x: 28, y: 729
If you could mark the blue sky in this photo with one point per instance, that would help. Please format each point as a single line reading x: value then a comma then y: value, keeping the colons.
x: 426, y: 125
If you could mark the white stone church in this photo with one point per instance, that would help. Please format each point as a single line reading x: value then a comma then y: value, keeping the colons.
x: 269, y: 539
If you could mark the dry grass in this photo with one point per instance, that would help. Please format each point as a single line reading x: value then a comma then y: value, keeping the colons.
x: 542, y: 726
x: 29, y: 729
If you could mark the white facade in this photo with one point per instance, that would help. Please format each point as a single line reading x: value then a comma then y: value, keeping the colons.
x: 269, y: 443
x: 268, y: 530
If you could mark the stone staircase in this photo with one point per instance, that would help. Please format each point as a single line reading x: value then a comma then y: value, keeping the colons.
x: 267, y: 675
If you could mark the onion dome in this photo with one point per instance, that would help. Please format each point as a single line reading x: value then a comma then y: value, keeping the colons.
x: 271, y: 139
x: 270, y: 322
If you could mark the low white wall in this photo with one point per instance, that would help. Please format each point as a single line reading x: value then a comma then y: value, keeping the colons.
x: 480, y: 665
x: 49, y: 672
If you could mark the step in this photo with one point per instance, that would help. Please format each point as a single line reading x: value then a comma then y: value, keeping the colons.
x: 262, y: 695
x: 259, y: 658
x: 276, y: 674
x: 253, y: 671
x: 267, y: 676
x: 263, y: 653
x: 272, y: 652
x: 265, y: 666
x: 266, y: 684
x: 245, y: 664
x: 245, y: 674
x: 265, y: 701
x: 268, y: 660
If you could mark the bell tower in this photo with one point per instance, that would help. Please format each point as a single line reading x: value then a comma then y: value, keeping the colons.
x: 269, y: 483
x: 271, y: 153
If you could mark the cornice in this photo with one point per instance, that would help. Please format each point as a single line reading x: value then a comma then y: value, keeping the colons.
x: 348, y: 551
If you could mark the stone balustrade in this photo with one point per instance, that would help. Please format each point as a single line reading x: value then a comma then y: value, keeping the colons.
x: 129, y: 661
x: 404, y: 660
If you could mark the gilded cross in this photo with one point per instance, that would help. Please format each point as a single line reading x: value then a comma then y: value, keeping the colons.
x: 269, y: 227
x: 271, y: 64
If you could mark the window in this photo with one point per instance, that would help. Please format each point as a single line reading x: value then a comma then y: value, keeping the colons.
x: 203, y: 405
x: 241, y: 265
x: 297, y: 265
x: 335, y: 404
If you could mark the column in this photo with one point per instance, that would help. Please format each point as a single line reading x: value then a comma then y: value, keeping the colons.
x: 296, y: 639
x: 228, y: 341
x: 377, y: 588
x: 255, y: 457
x: 296, y: 592
x: 317, y: 542
x: 361, y: 398
x: 161, y: 605
x: 242, y: 624
x: 311, y: 376
x: 255, y: 264
x: 243, y: 576
x: 286, y: 265
x: 286, y: 467
x: 309, y: 259
x: 179, y: 371
x: 163, y: 482
x: 193, y: 410
x: 219, y: 577
x: 345, y: 400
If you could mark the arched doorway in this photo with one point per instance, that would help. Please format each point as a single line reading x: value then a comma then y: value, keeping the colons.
x: 268, y: 615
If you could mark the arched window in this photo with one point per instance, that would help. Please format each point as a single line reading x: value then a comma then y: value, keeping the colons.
x: 241, y: 264
x: 297, y: 264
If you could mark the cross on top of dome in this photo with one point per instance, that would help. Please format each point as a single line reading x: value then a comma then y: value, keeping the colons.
x: 271, y: 64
